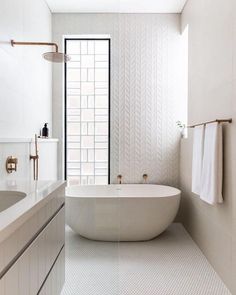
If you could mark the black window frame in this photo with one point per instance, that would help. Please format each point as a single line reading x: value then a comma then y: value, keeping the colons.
x: 109, y: 101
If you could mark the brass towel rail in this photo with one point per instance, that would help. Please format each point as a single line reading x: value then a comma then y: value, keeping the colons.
x: 208, y: 122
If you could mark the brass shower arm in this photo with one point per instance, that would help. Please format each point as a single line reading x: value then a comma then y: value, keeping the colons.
x: 13, y: 43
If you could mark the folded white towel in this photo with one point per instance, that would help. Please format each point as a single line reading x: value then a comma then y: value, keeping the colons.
x: 212, y: 166
x: 198, y: 144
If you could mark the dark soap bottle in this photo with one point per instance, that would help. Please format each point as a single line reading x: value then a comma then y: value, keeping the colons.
x: 45, y: 131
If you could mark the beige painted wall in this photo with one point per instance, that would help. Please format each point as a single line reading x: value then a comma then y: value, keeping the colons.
x: 212, y: 79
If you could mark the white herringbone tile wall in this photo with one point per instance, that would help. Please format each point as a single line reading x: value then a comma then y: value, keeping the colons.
x: 171, y: 264
x: 146, y: 90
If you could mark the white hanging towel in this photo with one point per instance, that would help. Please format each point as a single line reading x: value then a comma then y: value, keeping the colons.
x: 198, y: 145
x: 212, y: 166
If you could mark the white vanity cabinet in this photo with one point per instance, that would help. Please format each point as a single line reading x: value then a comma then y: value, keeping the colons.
x: 37, y: 267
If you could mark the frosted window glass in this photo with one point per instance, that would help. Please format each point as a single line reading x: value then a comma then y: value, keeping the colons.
x: 101, y: 171
x: 73, y: 118
x: 73, y: 165
x: 90, y: 179
x: 101, y: 111
x: 87, y: 104
x: 101, y: 128
x: 101, y: 118
x: 90, y: 47
x: 73, y: 172
x: 101, y: 138
x: 87, y: 115
x: 84, y: 155
x: 74, y: 58
x: 84, y: 47
x: 73, y: 138
x: 87, y: 88
x: 84, y: 129
x: 99, y: 91
x: 87, y: 168
x: 73, y: 91
x: 84, y: 75
x: 100, y: 180
x: 72, y: 180
x: 87, y: 61
x: 73, y: 47
x: 101, y: 165
x: 84, y: 101
x: 91, y: 155
x: 74, y: 64
x: 73, y: 101
x: 99, y: 145
x: 73, y: 75
x: 73, y: 85
x: 101, y: 155
x: 87, y: 141
x: 73, y: 112
x: 101, y: 64
x: 84, y: 180
x: 90, y: 74
x: 91, y: 101
x: 101, y: 101
x: 101, y: 57
x: 101, y: 75
x: 73, y: 128
x: 73, y: 145
x: 90, y: 128
x: 101, y: 47
x: 101, y: 85
x: 73, y: 155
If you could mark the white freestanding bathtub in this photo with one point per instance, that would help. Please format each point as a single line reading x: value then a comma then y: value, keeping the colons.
x: 129, y: 212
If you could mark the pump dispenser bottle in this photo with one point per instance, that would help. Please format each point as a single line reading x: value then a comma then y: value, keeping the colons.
x: 45, y: 131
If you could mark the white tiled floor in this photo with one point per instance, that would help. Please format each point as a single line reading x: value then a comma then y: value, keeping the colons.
x: 170, y: 264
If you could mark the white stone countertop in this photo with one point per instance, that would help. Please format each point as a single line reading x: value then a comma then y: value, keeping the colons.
x: 38, y: 193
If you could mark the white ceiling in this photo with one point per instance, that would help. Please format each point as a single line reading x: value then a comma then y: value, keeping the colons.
x: 122, y: 6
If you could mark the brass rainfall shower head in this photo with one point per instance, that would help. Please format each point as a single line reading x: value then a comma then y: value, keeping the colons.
x: 53, y: 56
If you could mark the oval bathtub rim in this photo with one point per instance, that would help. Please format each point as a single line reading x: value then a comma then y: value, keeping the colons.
x: 174, y: 193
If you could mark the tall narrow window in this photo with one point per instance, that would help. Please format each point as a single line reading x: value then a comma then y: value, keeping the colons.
x: 87, y: 111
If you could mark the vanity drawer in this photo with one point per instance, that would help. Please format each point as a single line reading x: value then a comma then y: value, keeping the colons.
x: 25, y: 233
x: 30, y: 270
x: 55, y: 281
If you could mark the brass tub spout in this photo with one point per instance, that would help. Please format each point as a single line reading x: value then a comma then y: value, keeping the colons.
x: 119, y: 178
x: 145, y: 177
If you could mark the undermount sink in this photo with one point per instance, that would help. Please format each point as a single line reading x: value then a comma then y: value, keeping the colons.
x: 10, y: 198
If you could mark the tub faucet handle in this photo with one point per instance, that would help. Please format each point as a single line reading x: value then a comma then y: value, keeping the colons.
x: 119, y: 177
x: 145, y: 177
